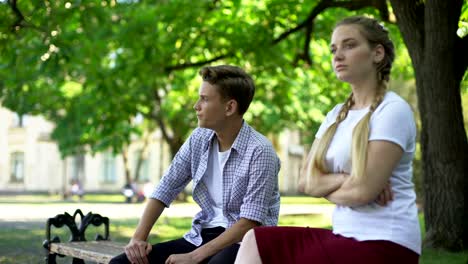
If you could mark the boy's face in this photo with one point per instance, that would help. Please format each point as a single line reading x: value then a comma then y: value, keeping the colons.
x: 210, y: 107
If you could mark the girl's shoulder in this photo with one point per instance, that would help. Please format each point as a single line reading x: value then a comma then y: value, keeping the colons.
x: 392, y: 102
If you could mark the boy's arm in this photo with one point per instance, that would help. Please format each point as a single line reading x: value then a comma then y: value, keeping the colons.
x: 138, y: 247
x: 232, y: 235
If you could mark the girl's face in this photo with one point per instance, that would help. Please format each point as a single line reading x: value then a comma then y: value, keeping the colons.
x: 353, y: 59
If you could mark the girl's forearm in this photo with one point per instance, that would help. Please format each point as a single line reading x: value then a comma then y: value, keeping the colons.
x: 348, y: 194
x: 323, y: 185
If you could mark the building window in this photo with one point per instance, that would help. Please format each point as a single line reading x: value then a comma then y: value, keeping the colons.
x: 109, y: 175
x: 17, y: 167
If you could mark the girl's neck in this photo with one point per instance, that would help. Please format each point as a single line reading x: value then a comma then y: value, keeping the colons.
x: 364, y: 94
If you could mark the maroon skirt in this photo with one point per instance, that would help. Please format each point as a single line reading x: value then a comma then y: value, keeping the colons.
x: 285, y: 245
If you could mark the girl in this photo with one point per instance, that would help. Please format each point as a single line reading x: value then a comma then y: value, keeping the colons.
x: 361, y: 160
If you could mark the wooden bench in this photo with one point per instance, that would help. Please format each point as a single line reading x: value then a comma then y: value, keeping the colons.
x: 101, y: 251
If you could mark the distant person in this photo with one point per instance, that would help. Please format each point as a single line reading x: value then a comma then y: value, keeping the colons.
x: 77, y: 189
x: 140, y: 195
x: 148, y: 189
x: 234, y: 170
x: 129, y: 192
x: 361, y: 160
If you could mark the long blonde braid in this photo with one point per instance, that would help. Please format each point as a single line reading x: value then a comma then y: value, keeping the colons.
x: 324, y: 143
x: 360, y: 139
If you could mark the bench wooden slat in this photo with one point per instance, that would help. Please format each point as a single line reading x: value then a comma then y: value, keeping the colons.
x: 98, y: 251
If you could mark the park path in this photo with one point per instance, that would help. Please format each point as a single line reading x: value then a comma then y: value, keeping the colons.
x: 40, y: 212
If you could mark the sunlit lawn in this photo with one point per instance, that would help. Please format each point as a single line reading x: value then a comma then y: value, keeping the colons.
x: 118, y: 198
x: 21, y: 242
x: 89, y: 198
x: 28, y: 237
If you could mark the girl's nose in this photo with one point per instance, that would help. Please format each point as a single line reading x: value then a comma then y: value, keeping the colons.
x: 338, y: 55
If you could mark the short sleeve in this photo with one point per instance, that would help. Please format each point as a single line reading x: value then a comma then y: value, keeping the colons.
x: 394, y: 122
x: 177, y: 176
x: 263, y: 178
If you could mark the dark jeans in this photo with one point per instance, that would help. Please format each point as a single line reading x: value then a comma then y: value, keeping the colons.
x: 162, y: 251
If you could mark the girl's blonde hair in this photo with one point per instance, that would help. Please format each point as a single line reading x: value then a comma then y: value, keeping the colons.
x: 375, y: 35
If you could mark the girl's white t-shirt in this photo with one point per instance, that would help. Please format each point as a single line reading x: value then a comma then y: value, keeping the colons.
x: 397, y: 221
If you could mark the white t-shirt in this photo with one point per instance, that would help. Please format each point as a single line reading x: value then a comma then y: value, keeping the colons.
x: 213, y: 180
x: 397, y: 221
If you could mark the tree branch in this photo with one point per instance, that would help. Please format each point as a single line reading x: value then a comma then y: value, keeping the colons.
x: 308, y: 37
x: 156, y: 115
x: 143, y: 154
x: 18, y: 14
x: 21, y: 21
x: 380, y: 5
x: 322, y: 5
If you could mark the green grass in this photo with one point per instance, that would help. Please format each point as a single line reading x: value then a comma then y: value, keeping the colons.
x: 41, y: 198
x: 30, y: 198
x: 303, y: 200
x: 118, y: 198
x: 434, y: 256
x: 87, y: 198
x: 21, y: 242
x: 293, y: 200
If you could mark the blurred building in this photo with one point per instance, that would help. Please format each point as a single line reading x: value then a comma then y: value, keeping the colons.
x: 30, y: 161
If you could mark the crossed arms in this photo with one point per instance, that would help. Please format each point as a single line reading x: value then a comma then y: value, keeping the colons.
x: 341, y: 189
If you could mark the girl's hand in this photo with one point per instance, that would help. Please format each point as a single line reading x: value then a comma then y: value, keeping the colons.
x: 385, y: 196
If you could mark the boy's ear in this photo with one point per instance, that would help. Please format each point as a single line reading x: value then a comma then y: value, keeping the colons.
x: 231, y: 107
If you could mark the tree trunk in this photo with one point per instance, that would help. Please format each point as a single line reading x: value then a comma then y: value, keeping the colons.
x: 142, y: 155
x: 128, y: 178
x: 172, y: 138
x: 443, y: 137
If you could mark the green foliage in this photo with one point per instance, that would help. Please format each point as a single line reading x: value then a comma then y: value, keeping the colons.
x: 92, y: 66
x: 463, y: 23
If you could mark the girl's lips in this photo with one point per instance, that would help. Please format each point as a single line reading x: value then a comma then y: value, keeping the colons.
x: 340, y: 67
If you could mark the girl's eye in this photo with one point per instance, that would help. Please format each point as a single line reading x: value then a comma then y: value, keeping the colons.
x: 333, y: 51
x: 348, y: 46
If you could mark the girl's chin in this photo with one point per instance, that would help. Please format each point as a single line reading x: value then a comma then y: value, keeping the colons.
x: 342, y: 77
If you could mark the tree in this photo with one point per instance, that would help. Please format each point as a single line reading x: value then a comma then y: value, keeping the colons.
x: 440, y: 60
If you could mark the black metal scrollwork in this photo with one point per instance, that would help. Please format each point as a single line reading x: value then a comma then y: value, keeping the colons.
x: 77, y: 233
